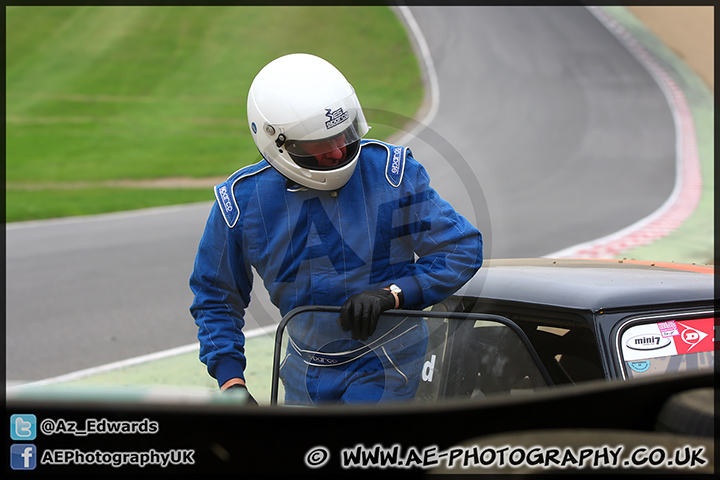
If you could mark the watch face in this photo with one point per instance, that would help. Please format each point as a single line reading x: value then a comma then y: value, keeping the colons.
x: 395, y: 288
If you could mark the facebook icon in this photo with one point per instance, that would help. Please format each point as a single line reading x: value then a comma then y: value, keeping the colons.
x: 22, y: 456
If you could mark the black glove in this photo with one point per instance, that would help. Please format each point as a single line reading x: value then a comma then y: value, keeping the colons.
x: 239, y: 388
x: 360, y: 312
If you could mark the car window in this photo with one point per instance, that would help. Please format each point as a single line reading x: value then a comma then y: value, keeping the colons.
x: 476, y: 358
x: 563, y: 340
x: 416, y: 357
x: 668, y: 344
x: 569, y: 353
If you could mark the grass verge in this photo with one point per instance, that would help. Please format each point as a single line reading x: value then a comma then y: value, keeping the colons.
x: 100, y: 93
x: 24, y: 205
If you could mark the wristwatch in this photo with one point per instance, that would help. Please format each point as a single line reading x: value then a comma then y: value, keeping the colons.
x: 398, y: 291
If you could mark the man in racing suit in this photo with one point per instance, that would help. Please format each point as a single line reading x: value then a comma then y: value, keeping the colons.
x: 327, y: 218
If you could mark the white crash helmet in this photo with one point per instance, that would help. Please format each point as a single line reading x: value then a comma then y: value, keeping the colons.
x: 300, y: 103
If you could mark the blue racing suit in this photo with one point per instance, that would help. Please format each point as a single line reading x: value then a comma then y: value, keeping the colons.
x: 386, y: 225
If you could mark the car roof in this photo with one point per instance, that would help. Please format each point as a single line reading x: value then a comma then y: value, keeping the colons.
x: 591, y: 284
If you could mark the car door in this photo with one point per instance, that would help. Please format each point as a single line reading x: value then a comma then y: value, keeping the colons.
x: 432, y: 356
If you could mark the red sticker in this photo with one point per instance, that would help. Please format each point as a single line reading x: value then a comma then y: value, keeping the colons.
x: 695, y: 336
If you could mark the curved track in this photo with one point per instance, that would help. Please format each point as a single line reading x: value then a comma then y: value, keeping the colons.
x: 547, y: 133
x: 567, y: 134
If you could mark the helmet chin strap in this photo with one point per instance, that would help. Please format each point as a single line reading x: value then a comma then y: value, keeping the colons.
x: 291, y: 184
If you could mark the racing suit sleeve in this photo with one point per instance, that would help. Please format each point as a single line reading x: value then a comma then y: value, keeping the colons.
x: 449, y: 248
x: 221, y: 282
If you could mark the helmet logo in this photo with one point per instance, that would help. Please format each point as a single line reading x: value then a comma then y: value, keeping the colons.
x: 336, y: 118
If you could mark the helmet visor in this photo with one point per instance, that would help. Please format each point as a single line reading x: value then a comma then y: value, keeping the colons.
x: 328, y: 153
x: 327, y: 140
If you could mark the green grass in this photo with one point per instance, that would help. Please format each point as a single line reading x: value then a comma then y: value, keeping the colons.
x: 106, y: 93
x: 186, y: 370
x: 55, y: 203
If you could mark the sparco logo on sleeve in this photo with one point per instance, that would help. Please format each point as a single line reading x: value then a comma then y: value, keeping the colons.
x: 336, y: 118
x: 225, y: 198
x: 395, y: 169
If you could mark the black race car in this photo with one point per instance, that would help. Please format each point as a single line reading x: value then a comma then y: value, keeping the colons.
x: 526, y: 324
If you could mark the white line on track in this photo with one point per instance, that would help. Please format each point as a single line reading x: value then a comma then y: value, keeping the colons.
x: 423, y: 51
x: 256, y: 332
x: 103, y: 216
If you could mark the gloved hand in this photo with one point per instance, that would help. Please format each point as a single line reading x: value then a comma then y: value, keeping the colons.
x: 360, y: 312
x: 242, y: 389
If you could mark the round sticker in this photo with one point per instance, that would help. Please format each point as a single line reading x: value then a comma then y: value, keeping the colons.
x: 640, y: 366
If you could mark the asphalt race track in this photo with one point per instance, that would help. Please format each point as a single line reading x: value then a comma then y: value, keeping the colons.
x: 555, y: 119
x: 542, y: 125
